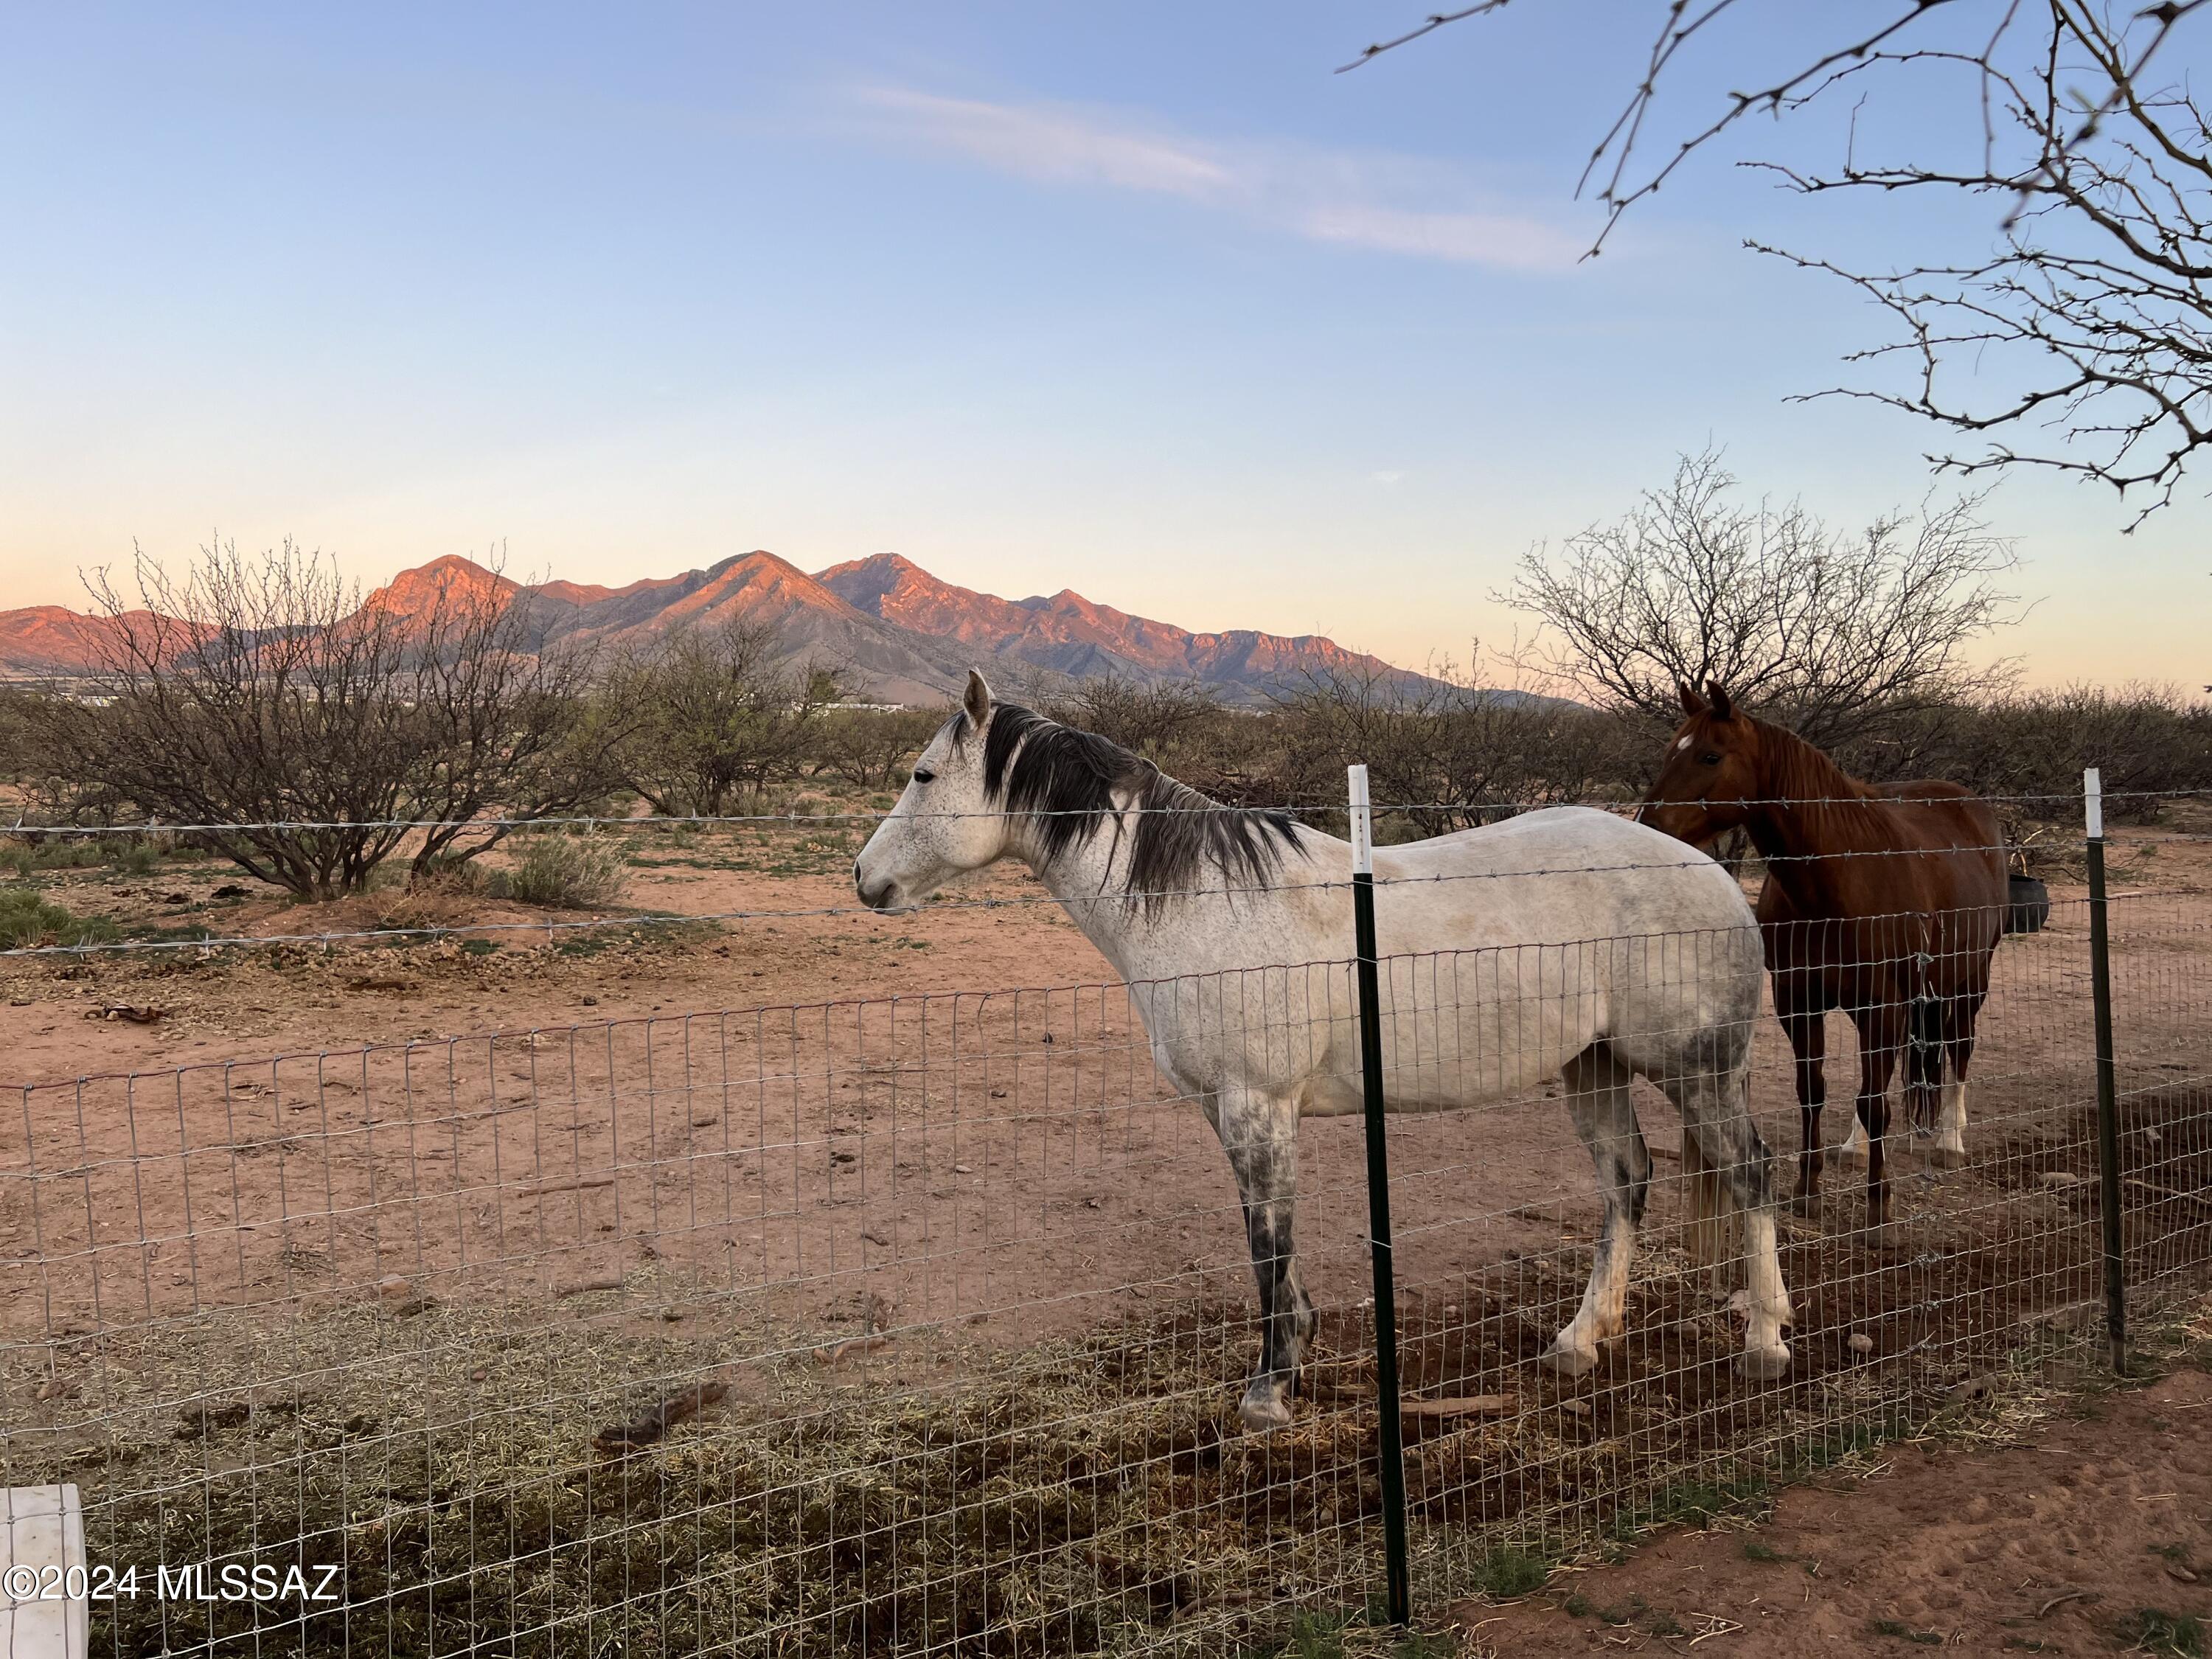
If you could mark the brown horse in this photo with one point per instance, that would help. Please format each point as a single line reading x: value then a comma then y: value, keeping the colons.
x: 1884, y: 900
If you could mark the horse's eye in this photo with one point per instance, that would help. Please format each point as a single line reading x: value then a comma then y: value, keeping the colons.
x: 1709, y: 759
x: 920, y: 776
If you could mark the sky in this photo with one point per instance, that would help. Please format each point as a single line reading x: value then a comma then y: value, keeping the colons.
x: 1137, y: 299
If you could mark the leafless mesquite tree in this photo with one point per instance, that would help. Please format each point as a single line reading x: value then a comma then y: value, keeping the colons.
x: 716, y: 715
x: 1839, y: 635
x: 1442, y: 753
x: 259, y: 697
x: 2082, y: 341
x: 1152, y: 719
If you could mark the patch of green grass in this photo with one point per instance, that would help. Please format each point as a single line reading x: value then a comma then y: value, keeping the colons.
x: 130, y: 858
x: 1504, y: 1573
x: 563, y: 873
x: 1703, y: 1500
x: 2155, y: 1630
x: 1577, y: 1606
x: 1693, y: 1501
x: 1753, y: 1550
x: 28, y: 859
x: 1347, y: 1635
x: 1826, y: 1451
x: 125, y: 856
x: 479, y: 947
x: 28, y: 922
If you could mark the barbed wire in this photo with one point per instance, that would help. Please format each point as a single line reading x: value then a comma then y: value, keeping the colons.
x: 429, y: 933
x: 26, y: 828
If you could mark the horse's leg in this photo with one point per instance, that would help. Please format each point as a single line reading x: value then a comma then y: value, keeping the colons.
x: 1716, y: 1108
x: 1260, y: 1135
x: 1882, y: 1034
x: 1605, y: 1117
x: 1961, y: 1014
x: 1807, y: 1031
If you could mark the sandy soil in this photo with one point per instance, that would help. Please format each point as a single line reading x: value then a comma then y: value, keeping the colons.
x: 2059, y: 1545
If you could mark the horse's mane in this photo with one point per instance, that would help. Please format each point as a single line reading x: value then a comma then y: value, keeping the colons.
x: 1795, y: 770
x: 1070, y: 781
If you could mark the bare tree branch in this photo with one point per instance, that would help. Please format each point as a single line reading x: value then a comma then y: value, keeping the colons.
x: 1837, y: 635
x: 2082, y: 344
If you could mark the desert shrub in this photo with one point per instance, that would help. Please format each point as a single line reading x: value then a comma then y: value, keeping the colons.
x: 1153, y: 721
x: 26, y: 920
x: 869, y: 747
x: 261, y: 694
x: 2028, y: 749
x: 711, y: 717
x: 1445, y: 751
x: 2141, y: 738
x: 31, y: 855
x: 563, y: 873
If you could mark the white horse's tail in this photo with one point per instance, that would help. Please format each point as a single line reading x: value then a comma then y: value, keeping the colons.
x: 1715, y: 1231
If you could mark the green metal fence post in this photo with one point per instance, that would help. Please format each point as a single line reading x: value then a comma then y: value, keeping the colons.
x: 2108, y: 1108
x: 1399, y: 1589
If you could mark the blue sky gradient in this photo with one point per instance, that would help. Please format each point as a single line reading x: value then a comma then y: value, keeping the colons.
x: 1136, y: 299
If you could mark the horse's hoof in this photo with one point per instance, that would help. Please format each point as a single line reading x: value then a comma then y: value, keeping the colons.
x: 1264, y: 1413
x: 1563, y: 1360
x: 1947, y: 1157
x: 1807, y: 1205
x: 1764, y: 1364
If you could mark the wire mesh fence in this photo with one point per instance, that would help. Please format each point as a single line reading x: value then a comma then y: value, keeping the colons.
x: 918, y: 1324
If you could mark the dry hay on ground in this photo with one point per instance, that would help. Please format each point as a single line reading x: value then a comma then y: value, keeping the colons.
x: 1072, y: 1496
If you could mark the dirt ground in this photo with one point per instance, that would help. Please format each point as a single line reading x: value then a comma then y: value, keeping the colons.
x: 2094, y: 1536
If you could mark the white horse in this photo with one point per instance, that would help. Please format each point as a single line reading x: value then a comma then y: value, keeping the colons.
x: 1607, y: 951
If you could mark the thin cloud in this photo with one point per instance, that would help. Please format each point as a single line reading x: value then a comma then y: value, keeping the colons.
x: 1388, y: 204
x: 1476, y: 239
x: 1054, y: 145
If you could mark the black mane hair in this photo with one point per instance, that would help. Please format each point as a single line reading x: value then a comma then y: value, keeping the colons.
x: 1069, y: 780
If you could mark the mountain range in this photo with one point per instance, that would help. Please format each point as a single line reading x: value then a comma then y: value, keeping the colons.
x: 903, y: 634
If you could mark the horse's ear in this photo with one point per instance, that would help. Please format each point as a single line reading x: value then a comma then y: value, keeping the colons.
x: 1723, y: 708
x: 977, y: 701
x: 1693, y: 704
